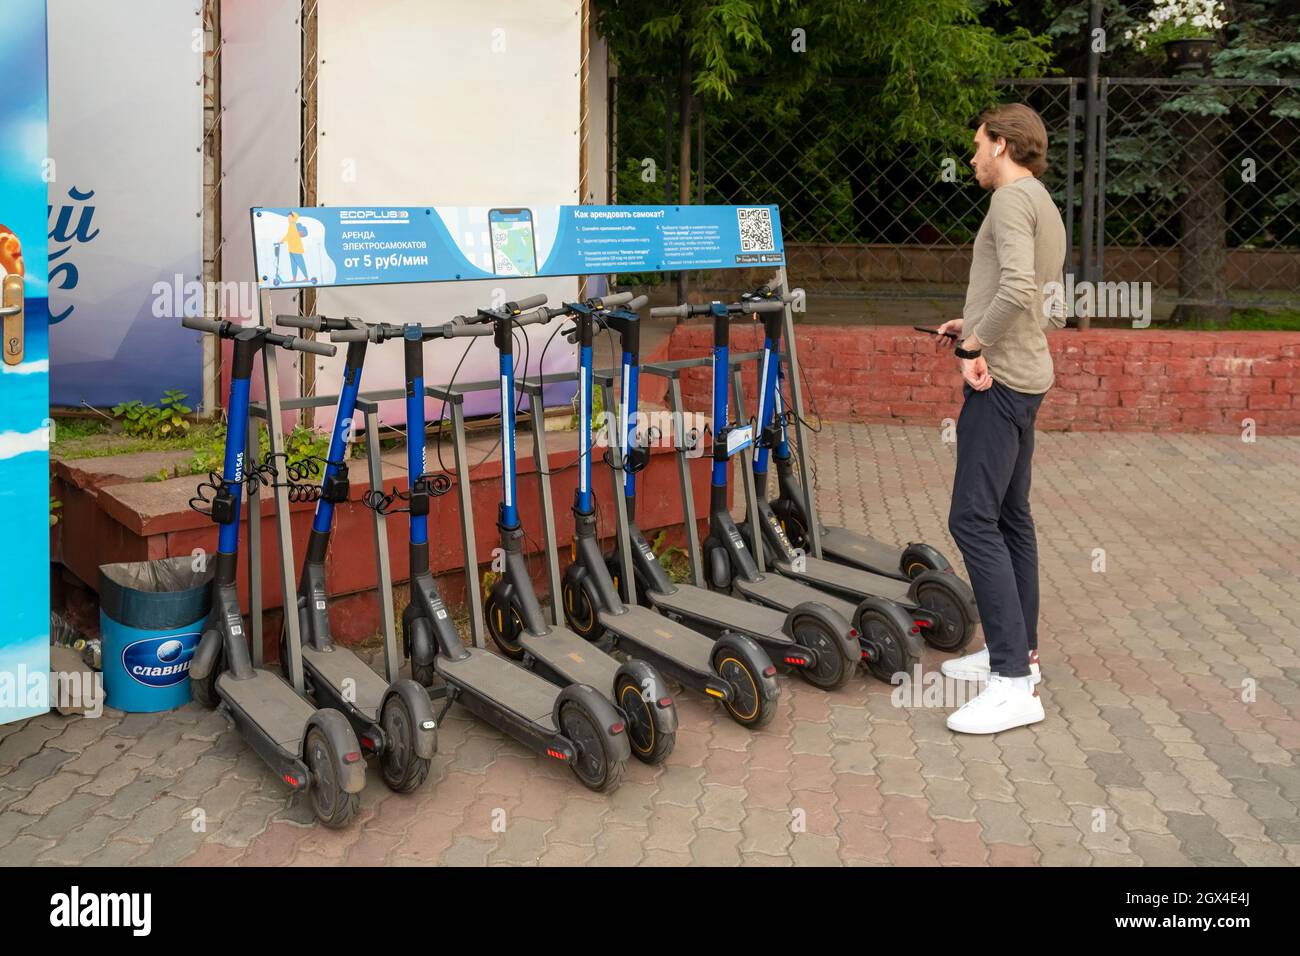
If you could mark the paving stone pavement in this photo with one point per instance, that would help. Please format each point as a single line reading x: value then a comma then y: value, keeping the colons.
x: 1170, y: 644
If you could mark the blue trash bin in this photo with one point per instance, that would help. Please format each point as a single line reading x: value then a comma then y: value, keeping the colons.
x: 151, y: 614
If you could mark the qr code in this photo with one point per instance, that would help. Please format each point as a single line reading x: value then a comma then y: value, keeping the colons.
x: 755, y: 230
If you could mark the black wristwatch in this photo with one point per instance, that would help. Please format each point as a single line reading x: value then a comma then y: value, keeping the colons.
x: 962, y: 353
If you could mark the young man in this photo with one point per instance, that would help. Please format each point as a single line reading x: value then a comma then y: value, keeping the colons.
x: 1019, y: 250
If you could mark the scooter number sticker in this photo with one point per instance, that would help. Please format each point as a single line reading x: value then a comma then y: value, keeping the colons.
x: 740, y: 438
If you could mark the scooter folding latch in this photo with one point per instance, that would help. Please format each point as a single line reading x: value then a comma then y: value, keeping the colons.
x: 334, y: 488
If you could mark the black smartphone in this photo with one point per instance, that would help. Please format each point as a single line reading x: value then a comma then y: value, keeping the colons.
x: 946, y: 335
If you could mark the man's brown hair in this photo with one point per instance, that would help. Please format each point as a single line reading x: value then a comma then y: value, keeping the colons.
x: 1024, y: 132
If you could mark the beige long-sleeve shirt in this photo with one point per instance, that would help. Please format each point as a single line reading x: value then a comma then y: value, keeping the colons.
x: 1019, y: 250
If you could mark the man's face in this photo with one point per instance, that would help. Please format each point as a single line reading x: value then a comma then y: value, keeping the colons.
x: 984, y: 162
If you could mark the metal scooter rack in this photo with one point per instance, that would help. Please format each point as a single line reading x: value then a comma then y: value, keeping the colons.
x: 672, y: 370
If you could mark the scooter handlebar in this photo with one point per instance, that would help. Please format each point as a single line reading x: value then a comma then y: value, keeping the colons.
x: 295, y: 344
x: 312, y: 323
x: 676, y: 311
x: 763, y: 305
x: 637, y: 304
x: 350, y: 335
x: 199, y: 324
x: 615, y: 301
x: 528, y: 302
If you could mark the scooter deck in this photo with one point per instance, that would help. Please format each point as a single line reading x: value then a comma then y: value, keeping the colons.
x: 723, y: 610
x: 506, y: 684
x: 658, y: 635
x: 339, y: 665
x: 861, y: 550
x: 840, y: 577
x: 778, y: 591
x: 573, y: 658
x: 271, y: 704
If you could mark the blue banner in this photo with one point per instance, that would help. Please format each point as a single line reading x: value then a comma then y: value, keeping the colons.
x: 381, y: 245
x: 24, y: 371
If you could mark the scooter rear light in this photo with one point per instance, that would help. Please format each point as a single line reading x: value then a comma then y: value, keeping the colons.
x: 853, y: 633
x: 769, y: 671
x: 794, y: 662
x: 616, y: 727
x: 352, y: 757
x: 292, y: 781
x: 916, y: 627
x: 368, y: 743
x: 665, y: 701
x: 558, y: 755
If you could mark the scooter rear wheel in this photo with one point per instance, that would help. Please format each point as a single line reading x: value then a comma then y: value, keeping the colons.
x: 649, y: 744
x: 403, y: 771
x: 833, y: 669
x: 949, y: 599
x: 333, y: 806
x: 888, y: 650
x: 593, y: 764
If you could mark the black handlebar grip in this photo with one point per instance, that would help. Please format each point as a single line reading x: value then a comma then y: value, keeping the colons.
x: 297, y: 344
x: 676, y: 311
x: 453, y: 331
x: 199, y: 324
x: 311, y: 322
x: 529, y: 302
x: 616, y: 300
x: 766, y: 305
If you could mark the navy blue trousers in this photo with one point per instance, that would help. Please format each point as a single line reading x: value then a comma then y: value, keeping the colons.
x: 991, y: 523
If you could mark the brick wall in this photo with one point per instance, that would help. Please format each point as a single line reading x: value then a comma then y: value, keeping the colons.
x: 1132, y: 380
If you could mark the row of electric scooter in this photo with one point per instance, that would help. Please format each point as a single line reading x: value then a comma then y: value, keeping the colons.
x: 592, y: 693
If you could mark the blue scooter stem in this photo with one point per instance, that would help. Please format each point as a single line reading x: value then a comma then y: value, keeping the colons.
x: 347, y: 407
x: 236, y: 448
x: 413, y: 342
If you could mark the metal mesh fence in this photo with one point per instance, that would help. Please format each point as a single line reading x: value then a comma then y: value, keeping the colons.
x: 1198, y: 183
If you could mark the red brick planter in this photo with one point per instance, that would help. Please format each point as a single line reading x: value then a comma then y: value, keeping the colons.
x: 1127, y: 380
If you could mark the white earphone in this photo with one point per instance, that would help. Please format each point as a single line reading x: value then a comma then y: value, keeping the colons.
x: 997, y: 150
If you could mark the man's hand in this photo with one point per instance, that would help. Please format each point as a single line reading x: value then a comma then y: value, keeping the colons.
x: 953, y: 326
x: 976, y: 373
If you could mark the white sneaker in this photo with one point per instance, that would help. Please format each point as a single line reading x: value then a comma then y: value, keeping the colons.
x: 1004, y: 703
x: 976, y: 667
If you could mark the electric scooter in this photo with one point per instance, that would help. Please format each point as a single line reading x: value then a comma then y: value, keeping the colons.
x: 816, y: 642
x: 392, y: 718
x: 733, y: 669
x: 573, y: 724
x: 887, y: 633
x: 513, y: 614
x: 309, y: 749
x: 939, y: 602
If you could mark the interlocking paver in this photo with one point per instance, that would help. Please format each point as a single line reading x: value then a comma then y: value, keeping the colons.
x: 1171, y: 684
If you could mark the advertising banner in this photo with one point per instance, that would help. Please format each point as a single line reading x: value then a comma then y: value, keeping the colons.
x: 125, y: 231
x: 378, y: 245
x: 24, y: 369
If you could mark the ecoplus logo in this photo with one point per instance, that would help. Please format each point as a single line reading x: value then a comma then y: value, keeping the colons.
x: 372, y: 215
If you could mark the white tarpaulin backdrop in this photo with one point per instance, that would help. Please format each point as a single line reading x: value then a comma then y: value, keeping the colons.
x: 126, y: 127
x: 438, y: 102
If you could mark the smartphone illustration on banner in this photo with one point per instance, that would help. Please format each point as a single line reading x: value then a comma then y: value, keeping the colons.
x: 514, y: 252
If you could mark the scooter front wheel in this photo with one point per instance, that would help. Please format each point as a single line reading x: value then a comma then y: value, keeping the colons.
x: 748, y: 706
x: 791, y: 523
x: 204, y: 689
x: 334, y: 807
x: 403, y: 771
x: 595, y: 766
x: 420, y: 647
x: 504, y: 625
